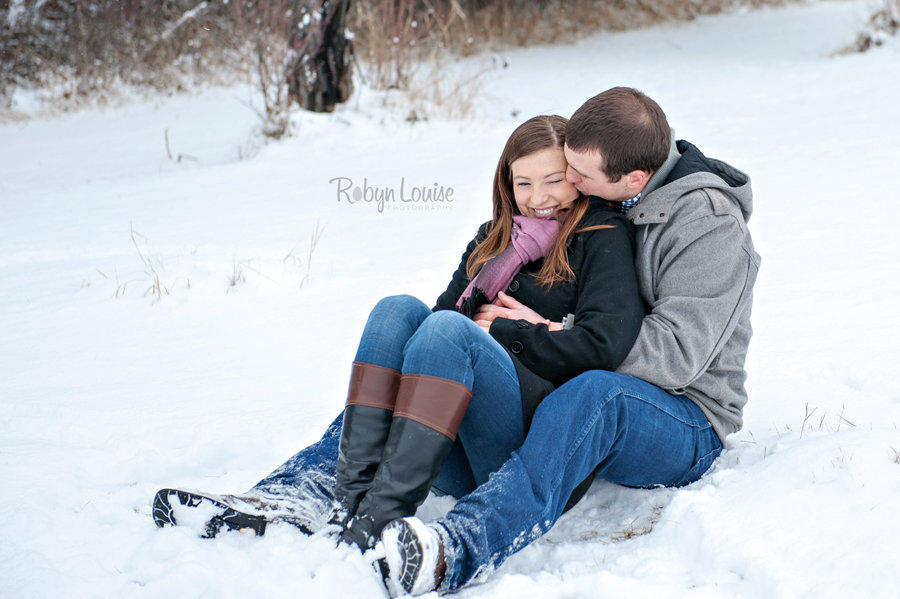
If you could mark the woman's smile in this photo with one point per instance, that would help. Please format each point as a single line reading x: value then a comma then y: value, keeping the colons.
x: 539, y: 184
x: 544, y: 212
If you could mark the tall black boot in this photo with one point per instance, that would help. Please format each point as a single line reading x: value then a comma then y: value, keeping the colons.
x: 427, y: 416
x: 367, y: 423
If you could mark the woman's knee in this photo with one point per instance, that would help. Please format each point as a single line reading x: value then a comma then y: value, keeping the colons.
x: 448, y: 326
x: 401, y: 304
x: 443, y: 343
x: 396, y: 309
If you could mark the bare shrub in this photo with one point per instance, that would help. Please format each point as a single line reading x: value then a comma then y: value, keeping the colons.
x: 883, y: 23
x: 393, y: 37
x: 85, y: 50
x: 144, y: 44
x: 271, y: 54
x: 296, y: 50
x: 406, y: 44
x: 438, y: 90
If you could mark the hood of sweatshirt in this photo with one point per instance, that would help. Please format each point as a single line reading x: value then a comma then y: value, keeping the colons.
x: 685, y: 170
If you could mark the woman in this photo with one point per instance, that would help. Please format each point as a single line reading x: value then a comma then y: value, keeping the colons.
x: 435, y: 402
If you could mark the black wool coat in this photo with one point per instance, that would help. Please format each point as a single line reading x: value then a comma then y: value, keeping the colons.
x: 603, y: 297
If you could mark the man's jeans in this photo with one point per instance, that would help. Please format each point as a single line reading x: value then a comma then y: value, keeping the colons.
x: 620, y: 428
x: 402, y: 333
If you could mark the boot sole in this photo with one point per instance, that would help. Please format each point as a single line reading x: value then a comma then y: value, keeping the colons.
x: 402, y: 564
x: 224, y: 517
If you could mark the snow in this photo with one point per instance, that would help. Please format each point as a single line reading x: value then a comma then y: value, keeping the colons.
x: 111, y: 390
x: 196, y: 518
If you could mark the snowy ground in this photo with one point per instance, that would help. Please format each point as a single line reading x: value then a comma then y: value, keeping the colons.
x: 110, y: 390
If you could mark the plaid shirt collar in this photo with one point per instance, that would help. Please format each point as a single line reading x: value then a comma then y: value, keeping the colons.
x: 629, y: 204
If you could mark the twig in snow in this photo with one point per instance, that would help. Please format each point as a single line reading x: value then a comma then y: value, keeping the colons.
x: 313, y: 242
x: 806, y: 417
x: 237, y: 275
x: 168, y: 151
x: 291, y: 255
x: 842, y: 418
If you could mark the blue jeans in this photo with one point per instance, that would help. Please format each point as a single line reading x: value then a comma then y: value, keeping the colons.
x: 404, y: 334
x: 617, y: 427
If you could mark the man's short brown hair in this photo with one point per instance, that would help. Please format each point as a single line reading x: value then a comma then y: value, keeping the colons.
x: 628, y: 129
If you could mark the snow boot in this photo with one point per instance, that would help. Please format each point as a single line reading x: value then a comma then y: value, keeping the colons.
x: 427, y: 416
x: 413, y: 562
x: 209, y: 514
x: 367, y: 422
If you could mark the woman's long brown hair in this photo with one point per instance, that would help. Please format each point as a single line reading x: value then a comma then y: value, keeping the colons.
x: 534, y: 135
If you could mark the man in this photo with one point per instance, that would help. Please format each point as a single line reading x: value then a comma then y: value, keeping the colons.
x: 662, y: 417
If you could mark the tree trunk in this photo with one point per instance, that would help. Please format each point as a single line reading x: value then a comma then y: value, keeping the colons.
x: 321, y: 74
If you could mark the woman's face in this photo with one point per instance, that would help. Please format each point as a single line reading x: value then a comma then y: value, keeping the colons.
x: 539, y: 184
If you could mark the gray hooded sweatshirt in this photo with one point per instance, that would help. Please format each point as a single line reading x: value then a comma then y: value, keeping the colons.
x: 696, y: 267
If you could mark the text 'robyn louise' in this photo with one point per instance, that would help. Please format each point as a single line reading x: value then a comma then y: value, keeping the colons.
x: 388, y: 195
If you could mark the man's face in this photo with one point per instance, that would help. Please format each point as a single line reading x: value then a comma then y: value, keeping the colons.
x: 585, y: 174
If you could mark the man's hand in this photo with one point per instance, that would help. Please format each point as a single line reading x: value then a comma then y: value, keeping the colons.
x: 507, y: 307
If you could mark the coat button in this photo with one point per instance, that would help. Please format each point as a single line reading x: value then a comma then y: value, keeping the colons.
x: 523, y: 324
x: 662, y: 214
x: 642, y: 215
x: 514, y: 286
x: 516, y: 347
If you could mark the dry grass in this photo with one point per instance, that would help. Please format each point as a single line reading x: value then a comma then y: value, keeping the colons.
x: 152, y: 268
x: 840, y: 419
x: 640, y: 525
x: 393, y: 39
x: 438, y: 90
x: 237, y: 275
x: 313, y: 243
x: 79, y: 54
x: 884, y: 23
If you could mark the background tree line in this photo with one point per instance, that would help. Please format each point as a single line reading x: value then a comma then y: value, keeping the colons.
x: 302, y: 51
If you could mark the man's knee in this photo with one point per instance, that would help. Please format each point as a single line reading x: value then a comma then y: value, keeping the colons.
x: 586, y: 394
x: 592, y: 385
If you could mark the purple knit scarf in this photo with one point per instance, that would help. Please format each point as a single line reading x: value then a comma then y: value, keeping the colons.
x: 531, y: 239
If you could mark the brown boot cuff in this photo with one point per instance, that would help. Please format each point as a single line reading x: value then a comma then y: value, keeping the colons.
x: 439, y: 404
x: 373, y: 386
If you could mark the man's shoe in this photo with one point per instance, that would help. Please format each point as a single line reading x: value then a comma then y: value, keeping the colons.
x: 211, y: 514
x: 414, y: 557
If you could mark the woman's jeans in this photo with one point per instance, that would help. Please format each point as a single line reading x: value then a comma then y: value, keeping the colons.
x: 617, y: 427
x: 620, y: 428
x: 404, y: 334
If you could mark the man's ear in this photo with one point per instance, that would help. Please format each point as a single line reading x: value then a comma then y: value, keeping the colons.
x: 637, y: 179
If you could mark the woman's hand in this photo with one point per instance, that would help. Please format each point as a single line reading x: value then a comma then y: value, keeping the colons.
x: 507, y: 307
x: 484, y: 324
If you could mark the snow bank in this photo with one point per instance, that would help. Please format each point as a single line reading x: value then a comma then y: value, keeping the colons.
x: 112, y: 387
